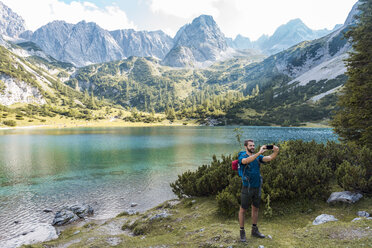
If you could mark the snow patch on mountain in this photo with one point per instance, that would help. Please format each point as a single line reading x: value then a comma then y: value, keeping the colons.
x: 320, y: 96
x: 327, y: 70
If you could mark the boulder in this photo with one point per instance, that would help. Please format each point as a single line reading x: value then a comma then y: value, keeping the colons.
x: 129, y: 212
x: 345, y: 196
x: 40, y: 233
x: 82, y: 210
x: 64, y: 217
x: 362, y: 214
x: 162, y: 215
x: 356, y: 219
x: 72, y: 213
x: 323, y: 218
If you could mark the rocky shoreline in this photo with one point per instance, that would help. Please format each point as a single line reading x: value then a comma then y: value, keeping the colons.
x: 133, y: 224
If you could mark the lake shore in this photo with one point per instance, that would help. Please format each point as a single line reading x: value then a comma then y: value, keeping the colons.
x: 120, y: 123
x: 103, y: 123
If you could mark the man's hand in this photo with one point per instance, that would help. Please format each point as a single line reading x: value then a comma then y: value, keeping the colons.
x: 272, y: 156
x: 262, y: 149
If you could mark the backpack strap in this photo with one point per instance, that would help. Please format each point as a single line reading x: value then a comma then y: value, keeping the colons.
x: 243, y: 174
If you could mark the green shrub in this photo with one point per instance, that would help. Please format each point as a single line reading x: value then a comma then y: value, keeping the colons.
x: 355, y: 173
x: 228, y: 200
x: 301, y: 171
x: 10, y: 123
x: 206, y: 180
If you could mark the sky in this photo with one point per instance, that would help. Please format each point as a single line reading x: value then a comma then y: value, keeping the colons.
x: 250, y: 18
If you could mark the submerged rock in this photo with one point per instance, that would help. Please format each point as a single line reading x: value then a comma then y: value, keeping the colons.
x: 345, y: 196
x: 323, y: 218
x: 70, y: 214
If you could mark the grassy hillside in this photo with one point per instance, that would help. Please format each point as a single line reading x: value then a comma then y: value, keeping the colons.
x: 64, y: 105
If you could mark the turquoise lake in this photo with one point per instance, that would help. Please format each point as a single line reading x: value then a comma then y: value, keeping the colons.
x: 109, y: 168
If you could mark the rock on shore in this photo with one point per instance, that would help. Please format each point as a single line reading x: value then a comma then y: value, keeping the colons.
x: 72, y: 213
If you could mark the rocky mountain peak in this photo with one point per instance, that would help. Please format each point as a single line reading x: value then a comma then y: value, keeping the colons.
x: 11, y: 24
x: 201, y: 41
x: 351, y: 18
x: 202, y: 29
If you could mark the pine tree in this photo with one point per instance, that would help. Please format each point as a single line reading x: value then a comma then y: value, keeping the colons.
x: 353, y: 120
x: 171, y: 114
x: 92, y: 103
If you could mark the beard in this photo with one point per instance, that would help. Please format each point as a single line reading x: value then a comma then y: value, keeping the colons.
x: 251, y: 150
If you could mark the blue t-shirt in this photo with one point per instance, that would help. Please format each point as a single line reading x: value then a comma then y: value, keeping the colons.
x: 252, y: 175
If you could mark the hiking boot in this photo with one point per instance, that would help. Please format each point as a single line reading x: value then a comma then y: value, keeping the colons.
x: 256, y: 233
x: 242, y: 236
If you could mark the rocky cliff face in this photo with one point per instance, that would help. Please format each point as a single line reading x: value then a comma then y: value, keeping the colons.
x: 142, y: 43
x: 81, y: 44
x: 15, y: 91
x: 87, y: 43
x: 240, y: 42
x: 198, y: 42
x: 11, y: 24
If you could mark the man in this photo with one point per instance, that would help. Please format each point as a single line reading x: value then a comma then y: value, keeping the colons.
x: 252, y: 182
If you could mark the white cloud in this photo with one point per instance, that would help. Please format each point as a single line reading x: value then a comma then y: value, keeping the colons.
x: 265, y: 16
x: 39, y: 12
x: 185, y: 8
x: 253, y: 18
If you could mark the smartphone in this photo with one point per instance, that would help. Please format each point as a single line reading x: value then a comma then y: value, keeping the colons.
x: 269, y: 147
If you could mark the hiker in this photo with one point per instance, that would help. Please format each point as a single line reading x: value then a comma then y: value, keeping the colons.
x: 249, y: 166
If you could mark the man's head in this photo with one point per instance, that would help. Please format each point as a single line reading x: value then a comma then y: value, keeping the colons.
x: 249, y: 144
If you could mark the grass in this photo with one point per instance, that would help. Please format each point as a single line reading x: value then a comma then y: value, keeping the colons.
x: 197, y: 224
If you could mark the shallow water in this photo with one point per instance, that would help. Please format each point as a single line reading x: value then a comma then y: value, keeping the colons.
x: 109, y: 168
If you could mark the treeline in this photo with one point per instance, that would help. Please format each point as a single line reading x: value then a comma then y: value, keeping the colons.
x: 288, y: 105
x: 138, y: 83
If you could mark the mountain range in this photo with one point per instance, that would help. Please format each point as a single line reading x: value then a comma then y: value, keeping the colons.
x: 285, y: 36
x: 131, y: 68
x: 199, y: 43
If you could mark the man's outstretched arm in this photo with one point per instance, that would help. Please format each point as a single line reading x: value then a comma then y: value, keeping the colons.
x: 253, y: 157
x: 272, y: 156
